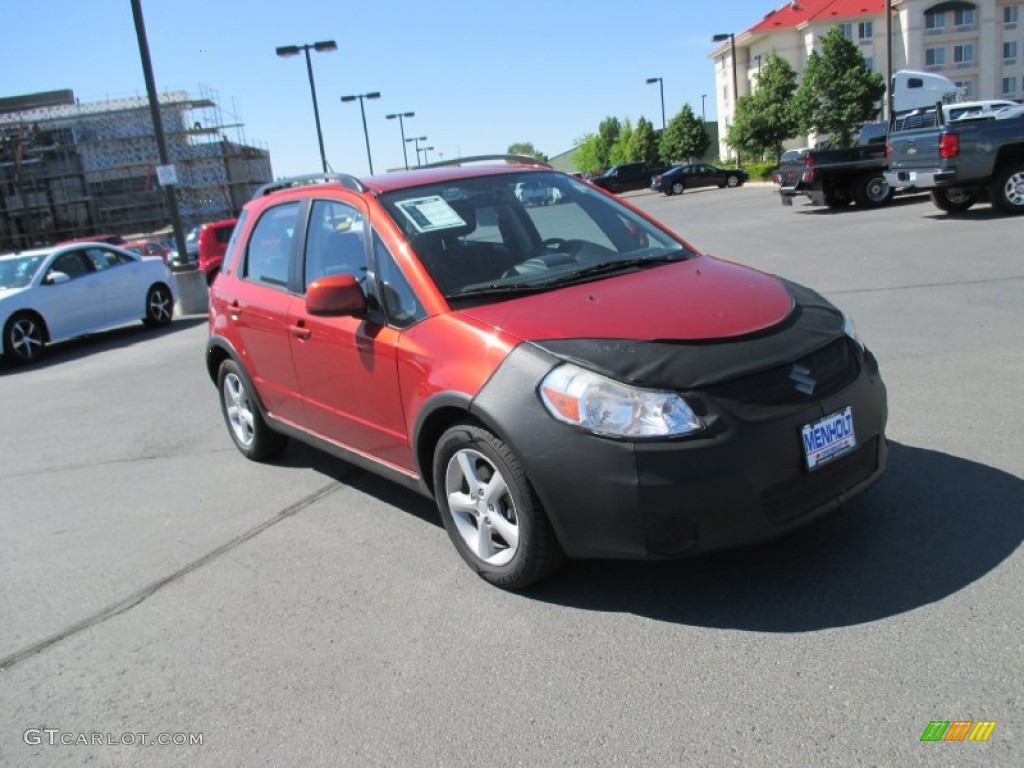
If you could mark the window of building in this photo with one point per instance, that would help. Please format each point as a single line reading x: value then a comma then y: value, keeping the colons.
x: 869, y: 63
x: 963, y: 54
x: 1010, y: 14
x: 966, y: 88
x: 963, y: 17
x: 935, y: 19
x: 1010, y: 50
x: 934, y: 57
x: 1010, y: 86
x: 725, y: 92
x: 847, y: 30
x: 865, y: 30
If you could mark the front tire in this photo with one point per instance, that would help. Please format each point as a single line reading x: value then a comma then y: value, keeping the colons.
x: 490, y: 510
x: 159, y: 306
x: 954, y: 199
x: 24, y: 338
x: 1007, y: 189
x: 243, y: 417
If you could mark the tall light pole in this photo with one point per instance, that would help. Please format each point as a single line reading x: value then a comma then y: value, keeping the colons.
x: 366, y: 133
x: 426, y: 157
x: 661, y: 87
x: 322, y: 47
x: 158, y: 125
x: 721, y: 38
x: 417, y: 140
x: 888, y: 60
x: 401, y: 127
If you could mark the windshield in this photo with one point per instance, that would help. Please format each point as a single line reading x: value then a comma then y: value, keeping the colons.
x: 497, y: 236
x: 17, y: 272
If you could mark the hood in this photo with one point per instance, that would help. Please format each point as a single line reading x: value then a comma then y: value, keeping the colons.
x: 695, y: 300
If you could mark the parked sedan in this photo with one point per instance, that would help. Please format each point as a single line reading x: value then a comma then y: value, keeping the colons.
x: 61, y: 292
x: 683, y: 177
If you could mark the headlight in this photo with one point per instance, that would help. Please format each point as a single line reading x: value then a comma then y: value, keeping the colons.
x: 608, y: 407
x: 851, y: 330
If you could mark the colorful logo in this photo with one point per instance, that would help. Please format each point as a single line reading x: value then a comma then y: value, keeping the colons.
x: 958, y: 730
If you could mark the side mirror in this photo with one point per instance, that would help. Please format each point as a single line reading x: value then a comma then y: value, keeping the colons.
x: 56, y: 278
x: 335, y: 295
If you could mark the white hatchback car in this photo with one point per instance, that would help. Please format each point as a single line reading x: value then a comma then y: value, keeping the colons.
x: 57, y: 293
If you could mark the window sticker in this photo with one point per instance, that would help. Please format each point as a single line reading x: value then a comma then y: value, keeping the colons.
x: 429, y: 214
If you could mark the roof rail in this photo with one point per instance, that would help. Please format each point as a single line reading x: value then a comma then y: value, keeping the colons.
x: 520, y: 159
x: 346, y: 180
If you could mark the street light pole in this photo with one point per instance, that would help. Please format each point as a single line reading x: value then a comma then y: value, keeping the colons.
x: 401, y: 127
x: 719, y: 38
x: 888, y: 60
x: 366, y: 133
x: 416, y: 144
x: 426, y: 157
x: 158, y: 125
x: 321, y: 47
x: 661, y: 87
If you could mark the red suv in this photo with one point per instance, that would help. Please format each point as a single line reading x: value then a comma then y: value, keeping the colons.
x: 205, y: 246
x: 570, y: 380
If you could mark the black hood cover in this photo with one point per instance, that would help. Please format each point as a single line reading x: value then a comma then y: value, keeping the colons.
x: 678, y: 365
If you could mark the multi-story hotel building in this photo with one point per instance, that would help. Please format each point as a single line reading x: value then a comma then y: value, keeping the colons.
x: 978, y: 45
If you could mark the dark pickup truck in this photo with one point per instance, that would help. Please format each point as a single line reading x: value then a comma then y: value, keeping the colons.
x: 626, y: 177
x: 964, y: 161
x: 838, y: 177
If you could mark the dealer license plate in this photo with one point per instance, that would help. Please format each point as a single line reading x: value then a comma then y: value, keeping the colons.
x: 829, y: 438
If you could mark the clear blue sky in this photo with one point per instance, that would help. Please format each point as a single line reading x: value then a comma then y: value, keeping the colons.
x: 479, y: 74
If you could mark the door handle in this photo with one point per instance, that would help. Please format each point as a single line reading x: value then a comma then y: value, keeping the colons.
x: 300, y: 331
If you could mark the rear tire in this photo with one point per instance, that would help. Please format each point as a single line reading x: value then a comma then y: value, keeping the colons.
x: 732, y: 181
x: 249, y: 431
x: 954, y: 199
x: 1007, y: 189
x: 677, y: 188
x: 490, y: 510
x: 871, y: 190
x: 159, y: 306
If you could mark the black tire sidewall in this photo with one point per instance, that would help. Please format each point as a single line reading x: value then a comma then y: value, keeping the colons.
x: 997, y: 189
x: 265, y: 442
x: 526, y: 566
x: 157, y: 322
x: 9, y: 354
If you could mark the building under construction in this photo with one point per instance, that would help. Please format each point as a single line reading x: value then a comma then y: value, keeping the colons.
x: 72, y: 170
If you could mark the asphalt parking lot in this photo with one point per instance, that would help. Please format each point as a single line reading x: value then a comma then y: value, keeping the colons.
x: 152, y: 581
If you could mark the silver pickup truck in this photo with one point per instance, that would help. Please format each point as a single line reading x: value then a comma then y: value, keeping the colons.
x: 962, y: 162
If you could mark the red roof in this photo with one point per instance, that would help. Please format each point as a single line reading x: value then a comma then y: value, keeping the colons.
x: 800, y: 11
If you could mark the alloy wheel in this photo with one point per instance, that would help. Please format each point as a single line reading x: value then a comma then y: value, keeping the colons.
x: 482, y: 507
x: 239, y: 409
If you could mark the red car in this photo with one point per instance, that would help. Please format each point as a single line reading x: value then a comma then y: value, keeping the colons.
x: 205, y: 246
x: 573, y: 380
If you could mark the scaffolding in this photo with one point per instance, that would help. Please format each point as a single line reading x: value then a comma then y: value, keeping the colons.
x: 72, y: 170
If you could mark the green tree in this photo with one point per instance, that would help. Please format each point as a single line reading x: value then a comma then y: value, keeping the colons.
x: 621, y: 150
x: 644, y: 142
x: 765, y: 118
x: 526, y: 148
x: 588, y: 155
x: 838, y: 93
x: 684, y: 137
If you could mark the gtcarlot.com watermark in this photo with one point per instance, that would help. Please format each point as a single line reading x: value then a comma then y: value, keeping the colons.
x: 56, y: 737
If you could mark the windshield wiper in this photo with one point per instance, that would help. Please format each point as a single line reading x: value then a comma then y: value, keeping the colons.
x: 498, y: 290
x: 610, y: 267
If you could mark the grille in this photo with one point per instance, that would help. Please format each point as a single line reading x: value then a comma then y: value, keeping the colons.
x: 778, y: 391
x: 793, y: 498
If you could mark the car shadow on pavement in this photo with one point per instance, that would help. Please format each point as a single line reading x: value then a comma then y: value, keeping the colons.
x: 382, y: 489
x: 984, y: 213
x: 103, y: 341
x: 823, y: 210
x: 933, y: 525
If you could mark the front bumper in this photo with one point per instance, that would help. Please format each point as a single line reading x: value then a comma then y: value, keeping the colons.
x: 923, y: 179
x: 741, y: 481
